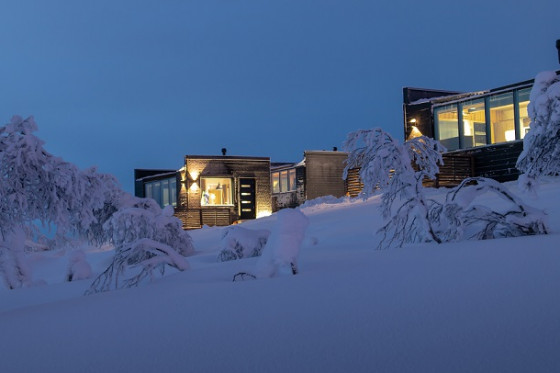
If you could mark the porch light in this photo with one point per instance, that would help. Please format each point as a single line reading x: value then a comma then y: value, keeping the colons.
x: 414, y: 132
x: 194, y: 175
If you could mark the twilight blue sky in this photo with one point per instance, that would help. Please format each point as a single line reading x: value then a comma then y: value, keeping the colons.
x: 139, y: 84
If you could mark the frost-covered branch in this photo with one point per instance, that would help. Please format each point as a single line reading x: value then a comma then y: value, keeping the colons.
x: 135, y: 262
x: 147, y: 239
x: 481, y: 222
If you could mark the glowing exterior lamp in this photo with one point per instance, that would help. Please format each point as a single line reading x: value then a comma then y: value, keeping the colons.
x: 414, y: 132
x: 194, y: 175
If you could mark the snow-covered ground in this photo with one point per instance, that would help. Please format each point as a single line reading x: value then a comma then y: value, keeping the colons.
x: 485, y: 306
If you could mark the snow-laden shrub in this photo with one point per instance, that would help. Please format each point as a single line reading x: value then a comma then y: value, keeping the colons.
x: 541, y: 145
x: 279, y: 256
x: 147, y: 239
x: 78, y: 267
x: 461, y: 218
x: 238, y: 242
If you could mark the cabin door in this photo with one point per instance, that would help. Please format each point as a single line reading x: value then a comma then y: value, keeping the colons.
x: 247, y: 198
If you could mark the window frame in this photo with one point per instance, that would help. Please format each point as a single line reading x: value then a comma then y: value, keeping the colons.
x: 204, y: 179
x: 286, y: 186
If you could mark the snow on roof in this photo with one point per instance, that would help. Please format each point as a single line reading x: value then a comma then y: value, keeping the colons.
x: 441, y: 99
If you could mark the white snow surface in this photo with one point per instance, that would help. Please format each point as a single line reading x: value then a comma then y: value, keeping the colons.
x: 476, y: 306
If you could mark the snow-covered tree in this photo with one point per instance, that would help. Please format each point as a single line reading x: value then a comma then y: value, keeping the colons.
x: 109, y: 197
x: 238, y: 243
x: 541, y: 145
x: 397, y: 170
x: 37, y: 188
x: 147, y: 239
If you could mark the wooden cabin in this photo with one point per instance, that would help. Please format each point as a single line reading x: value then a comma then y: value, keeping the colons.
x: 318, y: 174
x: 211, y: 190
x: 483, y: 131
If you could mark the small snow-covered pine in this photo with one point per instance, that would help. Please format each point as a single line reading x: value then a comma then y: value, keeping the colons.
x: 279, y: 256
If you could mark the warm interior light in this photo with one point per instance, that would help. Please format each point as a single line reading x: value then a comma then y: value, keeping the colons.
x: 510, y: 135
x: 413, y: 120
x: 467, y: 128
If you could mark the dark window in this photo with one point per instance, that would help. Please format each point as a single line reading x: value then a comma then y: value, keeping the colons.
x: 164, y: 192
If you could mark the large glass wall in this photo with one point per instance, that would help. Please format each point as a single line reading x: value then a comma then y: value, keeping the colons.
x: 447, y: 126
x: 474, y: 123
x: 164, y: 192
x: 490, y: 119
x: 502, y: 123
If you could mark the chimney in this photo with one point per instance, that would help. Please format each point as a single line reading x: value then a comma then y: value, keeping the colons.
x: 334, y: 149
x: 224, y: 151
x: 558, y: 47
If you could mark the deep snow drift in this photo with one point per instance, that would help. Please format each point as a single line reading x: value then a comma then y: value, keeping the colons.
x: 484, y: 306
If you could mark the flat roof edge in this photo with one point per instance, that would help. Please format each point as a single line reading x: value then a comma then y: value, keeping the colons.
x: 227, y: 157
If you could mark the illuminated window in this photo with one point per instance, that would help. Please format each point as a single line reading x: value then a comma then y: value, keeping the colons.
x: 292, y: 179
x: 284, y: 181
x: 447, y: 126
x: 502, y: 126
x: 275, y: 182
x: 215, y: 191
x: 524, y: 120
x: 164, y: 192
x: 474, y: 123
x: 496, y: 118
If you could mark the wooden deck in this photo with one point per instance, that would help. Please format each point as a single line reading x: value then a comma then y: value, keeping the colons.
x: 211, y: 216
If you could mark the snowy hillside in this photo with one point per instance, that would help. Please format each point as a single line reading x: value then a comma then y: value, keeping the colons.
x: 484, y: 306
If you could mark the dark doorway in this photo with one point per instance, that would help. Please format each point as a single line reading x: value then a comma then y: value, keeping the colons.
x: 247, y: 198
